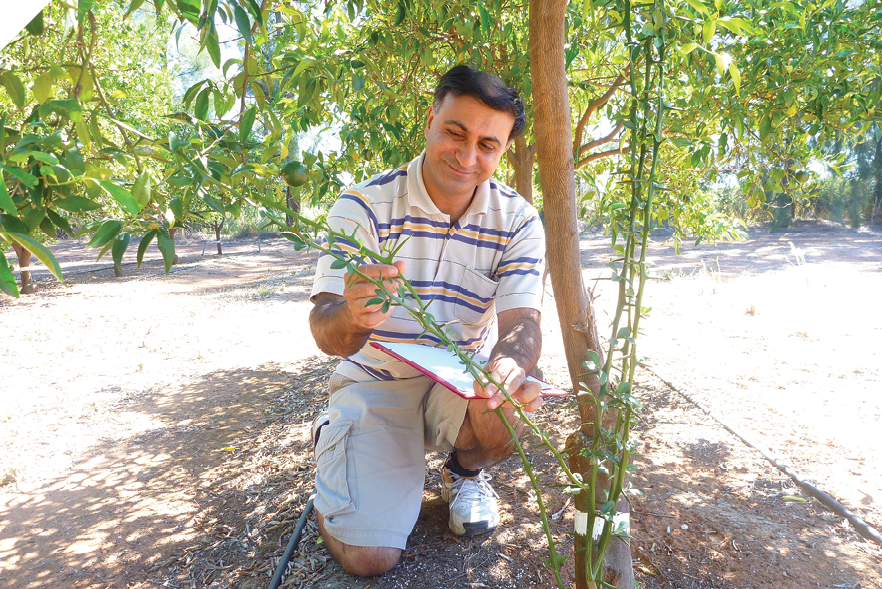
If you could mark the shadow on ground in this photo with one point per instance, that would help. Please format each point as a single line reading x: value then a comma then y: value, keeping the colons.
x: 208, y: 493
x: 711, y: 513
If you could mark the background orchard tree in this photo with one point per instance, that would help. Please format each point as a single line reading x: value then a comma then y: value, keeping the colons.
x: 646, y: 102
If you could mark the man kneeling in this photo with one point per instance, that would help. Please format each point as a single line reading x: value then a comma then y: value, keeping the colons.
x: 476, y: 249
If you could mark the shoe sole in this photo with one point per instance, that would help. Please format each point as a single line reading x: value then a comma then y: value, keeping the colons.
x: 473, y: 528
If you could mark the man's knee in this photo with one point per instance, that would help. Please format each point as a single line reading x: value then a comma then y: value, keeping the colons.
x: 363, y: 561
x: 370, y: 561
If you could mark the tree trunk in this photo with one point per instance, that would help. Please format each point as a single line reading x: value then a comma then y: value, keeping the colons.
x: 24, y: 261
x: 293, y: 203
x: 172, y: 231
x: 554, y: 142
x: 521, y: 157
x: 217, y: 231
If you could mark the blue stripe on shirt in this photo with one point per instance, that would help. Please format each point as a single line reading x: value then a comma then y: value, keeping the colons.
x: 384, y: 179
x: 368, y: 209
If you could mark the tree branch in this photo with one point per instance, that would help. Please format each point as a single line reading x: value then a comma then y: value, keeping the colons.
x: 602, y: 141
x: 594, y: 105
x: 602, y: 154
x: 77, y: 89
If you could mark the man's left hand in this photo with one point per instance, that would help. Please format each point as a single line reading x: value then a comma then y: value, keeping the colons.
x: 508, y: 373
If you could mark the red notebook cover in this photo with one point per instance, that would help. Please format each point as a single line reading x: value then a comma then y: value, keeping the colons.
x: 444, y: 368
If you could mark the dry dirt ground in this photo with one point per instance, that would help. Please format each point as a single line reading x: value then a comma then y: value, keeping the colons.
x: 156, y: 428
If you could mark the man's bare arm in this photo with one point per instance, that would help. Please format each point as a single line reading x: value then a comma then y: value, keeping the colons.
x: 334, y: 327
x: 520, y: 337
x: 514, y: 356
x: 342, y: 324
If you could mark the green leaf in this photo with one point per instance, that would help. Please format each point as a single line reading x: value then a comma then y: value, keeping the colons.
x: 39, y: 251
x: 721, y: 65
x: 174, y: 142
x: 107, y: 231
x: 177, y: 209
x: 7, y: 278
x: 400, y: 14
x: 201, y: 109
x: 338, y: 264
x: 13, y: 224
x: 301, y: 67
x: 77, y: 204
x: 145, y: 241
x: 246, y: 123
x: 736, y: 76
x: 104, y: 250
x: 69, y: 108
x: 214, y: 203
x: 120, y: 244
x: 135, y: 5
x: 486, y: 21
x: 36, y: 26
x: 60, y: 221
x: 14, y: 88
x: 6, y: 203
x: 739, y: 26
x: 697, y: 5
x: 32, y: 217
x: 141, y: 190
x: 122, y: 196
x: 242, y: 23
x: 765, y: 127
x: 213, y: 47
x: 28, y: 180
x: 708, y: 30
x: 167, y: 246
x: 688, y: 48
x: 42, y: 88
x: 255, y: 10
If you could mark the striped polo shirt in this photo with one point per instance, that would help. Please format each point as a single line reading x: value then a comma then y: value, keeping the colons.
x: 492, y: 259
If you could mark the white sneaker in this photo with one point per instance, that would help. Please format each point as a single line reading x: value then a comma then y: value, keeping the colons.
x: 473, y: 506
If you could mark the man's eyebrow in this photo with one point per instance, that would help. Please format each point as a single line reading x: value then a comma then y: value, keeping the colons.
x: 464, y: 128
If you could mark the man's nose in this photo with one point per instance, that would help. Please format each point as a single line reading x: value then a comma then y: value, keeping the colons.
x: 466, y: 154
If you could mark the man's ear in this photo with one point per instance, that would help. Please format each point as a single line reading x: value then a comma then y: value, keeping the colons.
x: 430, y: 116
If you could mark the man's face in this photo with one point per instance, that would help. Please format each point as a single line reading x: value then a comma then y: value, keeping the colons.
x: 464, y: 141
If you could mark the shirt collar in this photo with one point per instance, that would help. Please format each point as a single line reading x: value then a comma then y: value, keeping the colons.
x: 420, y: 198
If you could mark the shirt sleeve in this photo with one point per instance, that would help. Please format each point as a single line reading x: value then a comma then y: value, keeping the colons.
x: 522, y: 266
x: 351, y: 214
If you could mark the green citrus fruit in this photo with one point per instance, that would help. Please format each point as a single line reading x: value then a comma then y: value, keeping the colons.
x: 295, y: 174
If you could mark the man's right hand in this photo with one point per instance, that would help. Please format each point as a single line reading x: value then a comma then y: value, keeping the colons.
x: 358, y: 291
x: 342, y: 325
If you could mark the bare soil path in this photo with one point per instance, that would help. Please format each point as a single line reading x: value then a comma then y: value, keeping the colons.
x: 155, y: 427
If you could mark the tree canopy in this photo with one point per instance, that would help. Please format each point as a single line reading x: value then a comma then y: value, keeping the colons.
x: 94, y: 140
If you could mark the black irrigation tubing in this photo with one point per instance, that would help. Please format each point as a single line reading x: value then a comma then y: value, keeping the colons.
x: 862, y: 527
x: 295, y: 539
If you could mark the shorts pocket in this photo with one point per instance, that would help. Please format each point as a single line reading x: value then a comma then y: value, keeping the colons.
x: 475, y: 300
x: 332, y: 485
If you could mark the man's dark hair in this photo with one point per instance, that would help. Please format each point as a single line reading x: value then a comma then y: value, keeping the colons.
x: 464, y: 80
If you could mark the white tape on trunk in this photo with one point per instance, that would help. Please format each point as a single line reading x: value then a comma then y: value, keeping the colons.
x: 580, y: 522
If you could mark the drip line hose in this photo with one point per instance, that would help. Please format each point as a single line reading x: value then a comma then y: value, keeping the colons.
x: 860, y: 526
x: 292, y: 544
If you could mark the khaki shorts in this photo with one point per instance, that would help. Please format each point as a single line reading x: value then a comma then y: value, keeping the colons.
x: 371, y: 465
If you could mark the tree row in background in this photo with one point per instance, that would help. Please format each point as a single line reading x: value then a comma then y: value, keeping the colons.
x: 96, y: 139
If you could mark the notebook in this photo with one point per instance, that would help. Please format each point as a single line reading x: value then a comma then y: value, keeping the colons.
x: 444, y: 367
